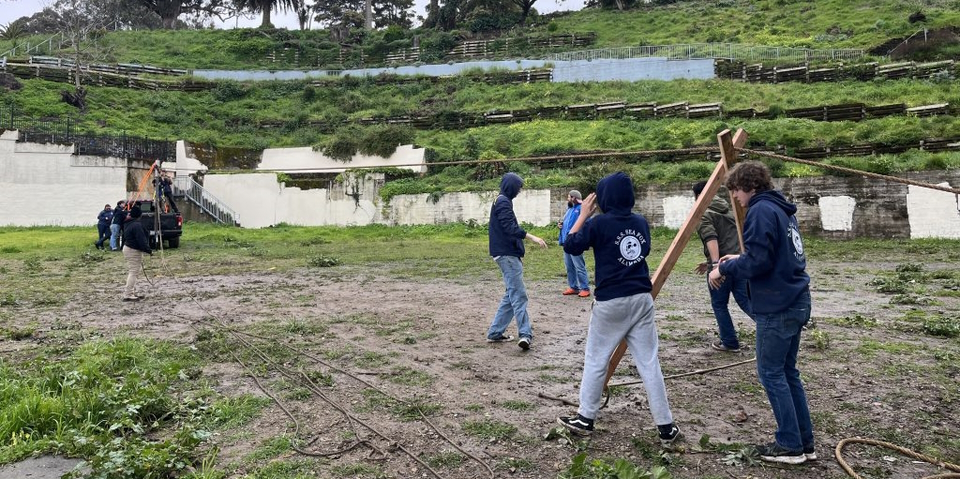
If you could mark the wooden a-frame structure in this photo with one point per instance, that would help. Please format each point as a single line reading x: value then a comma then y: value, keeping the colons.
x: 728, y: 157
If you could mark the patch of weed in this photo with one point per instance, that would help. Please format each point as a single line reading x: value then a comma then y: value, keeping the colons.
x: 912, y: 299
x: 942, y: 326
x: 821, y: 339
x: 518, y: 406
x: 271, y: 448
x: 580, y: 467
x: 323, y: 261
x: 474, y: 407
x: 516, y: 464
x: 411, y: 377
x: 858, y: 320
x: 445, y: 459
x: 490, y: 429
x: 889, y: 285
x: 370, y: 359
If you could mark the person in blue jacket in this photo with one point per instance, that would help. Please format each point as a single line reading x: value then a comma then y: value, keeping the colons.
x: 623, y: 307
x: 506, y: 247
x: 774, y: 265
x: 577, y: 281
x: 103, y: 225
x: 135, y: 245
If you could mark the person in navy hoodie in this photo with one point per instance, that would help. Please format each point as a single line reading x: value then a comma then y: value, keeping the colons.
x: 623, y: 309
x: 577, y: 281
x: 774, y: 265
x: 103, y: 225
x: 135, y: 245
x: 506, y: 247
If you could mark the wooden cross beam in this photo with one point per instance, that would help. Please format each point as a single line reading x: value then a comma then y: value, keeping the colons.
x: 728, y: 157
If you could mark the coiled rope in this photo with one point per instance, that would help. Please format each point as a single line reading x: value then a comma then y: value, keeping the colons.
x: 838, y: 452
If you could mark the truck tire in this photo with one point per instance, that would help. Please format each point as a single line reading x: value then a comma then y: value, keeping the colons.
x: 174, y: 242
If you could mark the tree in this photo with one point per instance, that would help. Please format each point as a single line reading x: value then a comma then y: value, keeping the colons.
x: 525, y: 7
x: 170, y: 10
x: 350, y: 13
x: 267, y: 6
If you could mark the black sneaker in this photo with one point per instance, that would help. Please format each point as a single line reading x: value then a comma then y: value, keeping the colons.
x: 719, y: 346
x: 524, y: 343
x: 774, y: 453
x: 669, y: 434
x: 500, y: 339
x: 810, y: 453
x: 579, y: 425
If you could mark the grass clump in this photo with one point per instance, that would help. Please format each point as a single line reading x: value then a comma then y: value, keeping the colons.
x: 108, y: 403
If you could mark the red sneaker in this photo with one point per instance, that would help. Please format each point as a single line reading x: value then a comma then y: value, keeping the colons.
x: 584, y: 293
x: 570, y: 291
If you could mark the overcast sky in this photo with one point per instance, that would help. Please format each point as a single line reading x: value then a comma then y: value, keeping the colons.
x: 11, y: 10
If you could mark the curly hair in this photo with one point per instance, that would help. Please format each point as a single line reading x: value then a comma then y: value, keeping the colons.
x: 749, y: 176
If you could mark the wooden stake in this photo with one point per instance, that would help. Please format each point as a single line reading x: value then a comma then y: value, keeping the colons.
x: 728, y: 156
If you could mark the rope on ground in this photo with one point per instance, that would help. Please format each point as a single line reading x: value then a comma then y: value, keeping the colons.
x: 851, y: 171
x: 838, y: 452
x: 312, y: 386
x: 630, y: 383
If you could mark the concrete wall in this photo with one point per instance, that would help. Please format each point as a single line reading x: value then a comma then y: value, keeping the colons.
x: 305, y: 160
x: 46, y: 184
x: 628, y: 69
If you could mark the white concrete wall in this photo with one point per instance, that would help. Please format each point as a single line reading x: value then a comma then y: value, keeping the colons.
x: 933, y: 214
x: 305, y: 160
x: 261, y: 201
x: 836, y: 212
x: 45, y: 184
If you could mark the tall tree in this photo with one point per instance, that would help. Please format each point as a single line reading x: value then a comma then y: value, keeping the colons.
x: 525, y: 7
x: 350, y: 13
x: 169, y: 10
x: 266, y: 7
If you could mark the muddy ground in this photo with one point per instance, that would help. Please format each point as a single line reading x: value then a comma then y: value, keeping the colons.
x: 869, y: 368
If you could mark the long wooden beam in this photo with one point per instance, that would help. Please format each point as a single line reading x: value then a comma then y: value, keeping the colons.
x: 728, y: 157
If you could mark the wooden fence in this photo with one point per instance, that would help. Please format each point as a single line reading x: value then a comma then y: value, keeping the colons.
x: 67, y: 74
x: 758, y: 73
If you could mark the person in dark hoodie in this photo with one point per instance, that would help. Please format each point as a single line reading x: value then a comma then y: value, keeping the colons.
x: 718, y: 232
x: 506, y: 248
x: 774, y: 264
x: 135, y: 244
x: 103, y: 225
x: 116, y: 224
x: 624, y: 308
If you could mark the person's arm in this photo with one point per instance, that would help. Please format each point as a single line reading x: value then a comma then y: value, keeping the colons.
x: 537, y: 240
x: 587, y: 209
x: 713, y: 249
x: 578, y: 239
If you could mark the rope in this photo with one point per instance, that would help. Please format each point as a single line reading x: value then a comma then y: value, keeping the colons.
x: 851, y: 171
x: 838, y: 452
x: 314, y: 388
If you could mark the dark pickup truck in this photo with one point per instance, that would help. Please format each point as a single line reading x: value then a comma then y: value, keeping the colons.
x: 171, y: 225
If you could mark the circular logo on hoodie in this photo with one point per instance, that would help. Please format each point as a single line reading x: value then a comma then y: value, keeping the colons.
x: 630, y: 248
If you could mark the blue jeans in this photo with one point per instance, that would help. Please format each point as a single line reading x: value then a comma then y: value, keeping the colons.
x: 778, y: 340
x: 114, y: 236
x: 720, y: 299
x: 576, y: 272
x: 514, y: 302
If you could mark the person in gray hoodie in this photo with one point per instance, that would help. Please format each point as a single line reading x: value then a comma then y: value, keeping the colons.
x: 506, y: 247
x: 718, y: 232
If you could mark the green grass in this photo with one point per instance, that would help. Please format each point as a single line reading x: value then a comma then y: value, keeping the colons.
x: 861, y: 23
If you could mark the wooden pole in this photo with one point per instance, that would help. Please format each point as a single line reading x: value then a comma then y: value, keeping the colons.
x: 728, y: 157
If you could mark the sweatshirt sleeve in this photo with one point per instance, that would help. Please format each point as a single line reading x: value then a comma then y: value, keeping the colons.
x: 759, y: 240
x: 707, y: 230
x: 508, y: 220
x: 577, y: 243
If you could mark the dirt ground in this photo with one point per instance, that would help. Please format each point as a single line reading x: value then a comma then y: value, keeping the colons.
x: 422, y: 342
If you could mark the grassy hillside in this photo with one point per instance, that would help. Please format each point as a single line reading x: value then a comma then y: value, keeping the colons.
x: 860, y: 24
x: 793, y: 23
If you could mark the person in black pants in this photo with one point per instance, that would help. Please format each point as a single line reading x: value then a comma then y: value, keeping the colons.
x: 103, y: 225
x: 166, y: 191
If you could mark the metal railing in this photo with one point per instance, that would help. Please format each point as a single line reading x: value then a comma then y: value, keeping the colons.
x: 732, y: 51
x: 28, y: 49
x: 209, y: 204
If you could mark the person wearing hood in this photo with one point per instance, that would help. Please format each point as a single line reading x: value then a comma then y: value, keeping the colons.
x: 577, y: 281
x: 718, y: 232
x: 103, y: 225
x: 623, y: 309
x: 135, y: 244
x: 506, y: 247
x: 774, y: 264
x: 116, y: 224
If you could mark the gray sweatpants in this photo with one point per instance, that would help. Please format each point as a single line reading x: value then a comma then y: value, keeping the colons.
x: 612, y: 321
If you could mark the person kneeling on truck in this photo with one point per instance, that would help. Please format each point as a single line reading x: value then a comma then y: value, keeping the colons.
x: 135, y: 244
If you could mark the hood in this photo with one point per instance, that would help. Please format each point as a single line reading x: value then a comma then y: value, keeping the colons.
x: 615, y: 194
x: 510, y: 185
x: 719, y: 205
x: 776, y: 198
